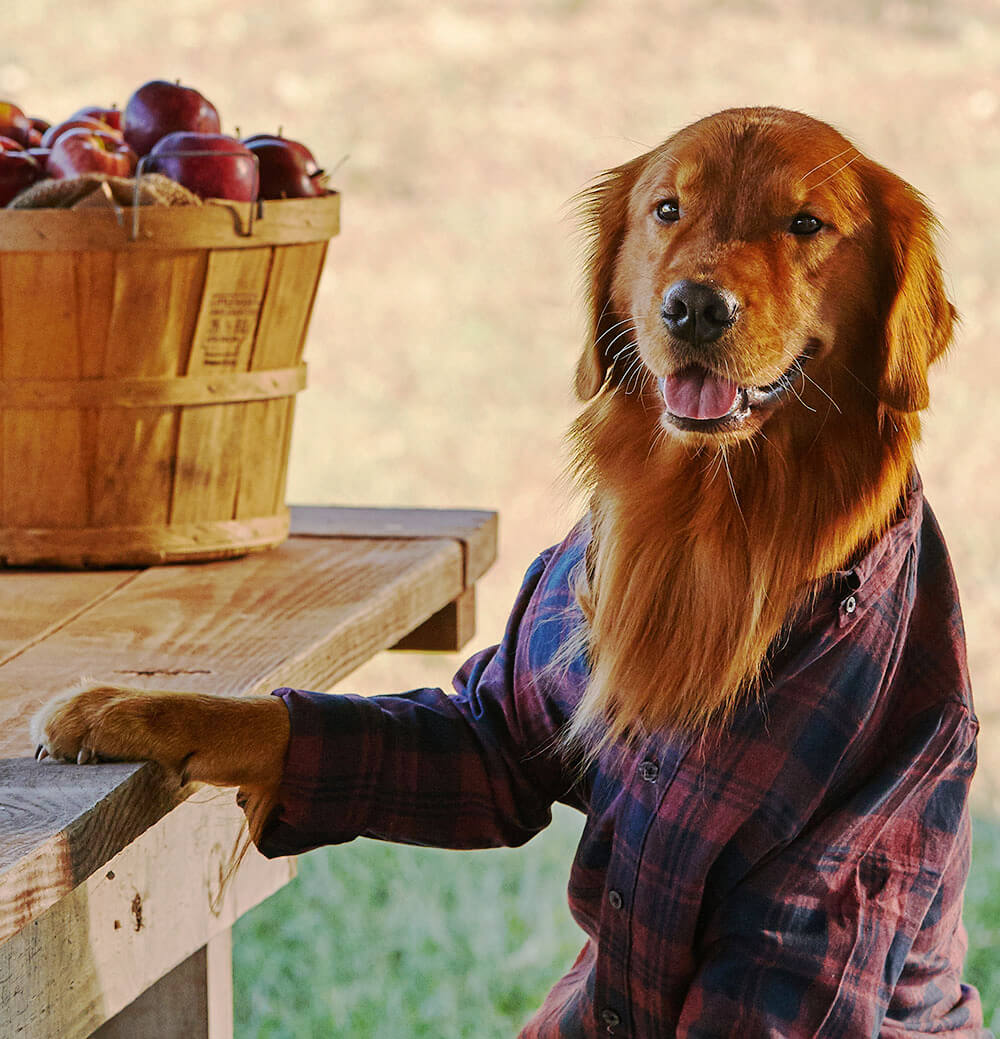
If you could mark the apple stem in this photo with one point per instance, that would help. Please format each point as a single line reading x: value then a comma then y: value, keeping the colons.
x: 281, y: 131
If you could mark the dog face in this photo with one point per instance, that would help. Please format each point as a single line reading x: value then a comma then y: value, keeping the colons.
x: 757, y: 260
x: 765, y: 305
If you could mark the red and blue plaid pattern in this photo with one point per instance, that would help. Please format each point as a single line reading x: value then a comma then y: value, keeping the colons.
x: 798, y: 874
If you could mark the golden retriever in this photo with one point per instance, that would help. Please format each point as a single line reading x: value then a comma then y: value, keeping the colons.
x: 765, y: 304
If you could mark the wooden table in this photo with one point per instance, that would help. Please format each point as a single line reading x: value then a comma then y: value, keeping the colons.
x: 113, y: 912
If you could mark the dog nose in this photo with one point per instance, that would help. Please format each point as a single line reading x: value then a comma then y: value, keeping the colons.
x: 696, y: 312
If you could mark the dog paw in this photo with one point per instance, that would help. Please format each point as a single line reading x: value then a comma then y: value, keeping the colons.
x: 74, y: 725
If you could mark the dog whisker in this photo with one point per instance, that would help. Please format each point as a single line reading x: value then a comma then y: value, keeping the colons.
x: 629, y: 343
x: 732, y: 487
x: 787, y: 382
x: 836, y: 171
x: 867, y: 389
x: 638, y: 376
x: 611, y: 328
x: 774, y: 447
x: 820, y: 388
x: 826, y: 162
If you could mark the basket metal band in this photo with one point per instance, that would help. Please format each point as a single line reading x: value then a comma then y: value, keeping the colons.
x: 154, y: 392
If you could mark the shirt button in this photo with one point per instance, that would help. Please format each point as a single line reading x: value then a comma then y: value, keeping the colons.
x: 615, y: 899
x: 850, y: 604
x: 611, y: 1019
x: 650, y: 771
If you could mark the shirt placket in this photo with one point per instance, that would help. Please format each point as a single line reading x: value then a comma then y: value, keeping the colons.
x: 645, y: 782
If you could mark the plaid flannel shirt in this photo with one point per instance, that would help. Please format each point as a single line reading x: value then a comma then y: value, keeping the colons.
x: 799, y: 874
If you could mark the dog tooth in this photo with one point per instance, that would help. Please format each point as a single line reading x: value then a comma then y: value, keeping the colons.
x: 40, y: 752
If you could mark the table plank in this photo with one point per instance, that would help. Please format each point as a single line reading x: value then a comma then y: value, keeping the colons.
x: 474, y: 529
x: 34, y: 602
x: 307, y: 613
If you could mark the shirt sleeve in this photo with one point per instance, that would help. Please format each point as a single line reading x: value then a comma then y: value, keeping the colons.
x: 472, y: 770
x: 854, y: 927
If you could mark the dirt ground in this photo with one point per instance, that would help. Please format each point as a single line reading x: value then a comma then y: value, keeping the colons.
x: 450, y: 313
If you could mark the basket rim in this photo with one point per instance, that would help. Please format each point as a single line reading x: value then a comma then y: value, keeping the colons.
x: 219, y: 224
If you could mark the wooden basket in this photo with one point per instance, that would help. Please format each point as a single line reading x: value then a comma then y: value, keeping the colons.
x: 147, y: 386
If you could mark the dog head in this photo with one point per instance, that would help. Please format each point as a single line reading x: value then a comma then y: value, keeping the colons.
x: 754, y: 260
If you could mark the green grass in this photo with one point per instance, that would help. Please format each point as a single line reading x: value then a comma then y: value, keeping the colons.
x: 380, y: 940
x: 376, y: 940
x: 982, y: 918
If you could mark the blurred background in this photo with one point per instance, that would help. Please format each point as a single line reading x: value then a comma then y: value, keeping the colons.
x: 444, y: 335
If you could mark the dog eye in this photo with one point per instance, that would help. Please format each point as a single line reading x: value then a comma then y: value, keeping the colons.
x: 668, y: 211
x: 805, y: 224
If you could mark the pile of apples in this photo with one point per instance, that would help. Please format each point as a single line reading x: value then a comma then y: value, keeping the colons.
x: 175, y: 128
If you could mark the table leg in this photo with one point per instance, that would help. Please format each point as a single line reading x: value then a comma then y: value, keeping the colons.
x: 193, y: 1001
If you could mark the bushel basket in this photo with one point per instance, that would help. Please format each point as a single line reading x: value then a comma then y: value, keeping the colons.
x: 147, y: 383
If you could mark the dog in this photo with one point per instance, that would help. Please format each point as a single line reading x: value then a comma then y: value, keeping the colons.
x: 745, y: 664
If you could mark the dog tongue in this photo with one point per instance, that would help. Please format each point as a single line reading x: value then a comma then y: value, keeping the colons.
x: 698, y: 394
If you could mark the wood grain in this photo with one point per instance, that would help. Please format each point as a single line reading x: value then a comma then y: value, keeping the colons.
x: 34, y: 604
x: 304, y: 614
x: 141, y: 545
x: 144, y: 912
x: 133, y: 468
x: 44, y: 452
x: 474, y: 529
x: 209, y: 439
x: 448, y: 630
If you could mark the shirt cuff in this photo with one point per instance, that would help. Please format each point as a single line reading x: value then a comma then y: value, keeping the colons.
x: 334, y: 750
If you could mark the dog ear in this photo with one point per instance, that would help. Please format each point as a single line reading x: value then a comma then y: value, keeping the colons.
x: 920, y: 319
x: 604, y: 208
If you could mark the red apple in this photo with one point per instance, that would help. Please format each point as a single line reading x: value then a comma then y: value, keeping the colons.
x: 13, y: 122
x: 112, y: 116
x: 53, y: 133
x: 81, y: 151
x: 312, y: 166
x: 18, y: 170
x: 287, y: 168
x: 211, y: 165
x: 159, y: 108
x: 38, y: 123
x: 8, y: 144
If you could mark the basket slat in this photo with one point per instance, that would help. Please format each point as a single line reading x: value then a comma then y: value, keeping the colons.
x: 44, y: 482
x: 154, y: 308
x: 287, y: 305
x: 210, y: 439
x: 284, y: 319
x: 95, y: 281
x: 262, y: 484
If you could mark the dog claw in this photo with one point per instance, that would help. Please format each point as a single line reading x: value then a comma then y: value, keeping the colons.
x: 85, y: 756
x: 40, y: 752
